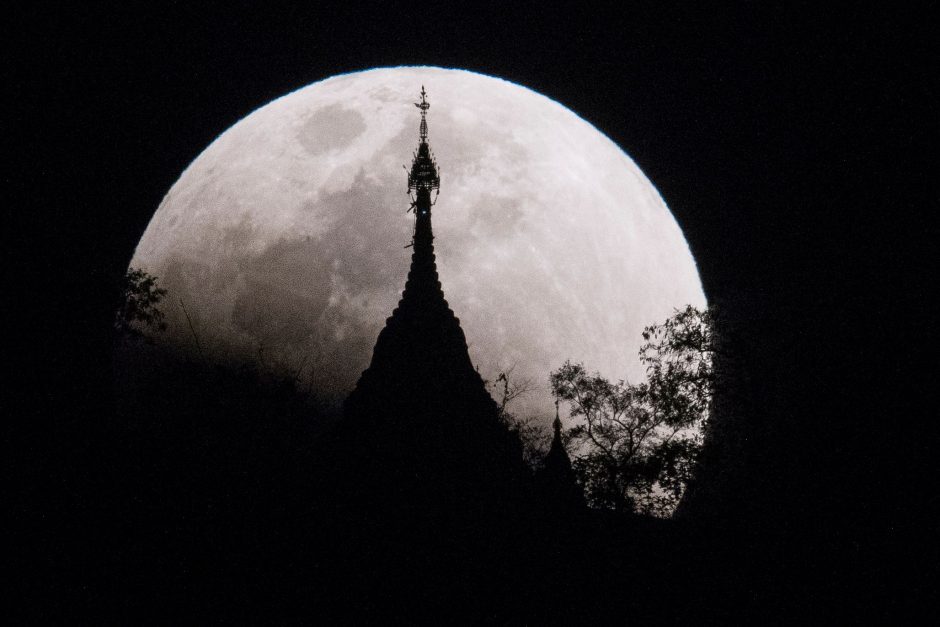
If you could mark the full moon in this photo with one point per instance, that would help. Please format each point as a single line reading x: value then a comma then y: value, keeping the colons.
x: 284, y: 241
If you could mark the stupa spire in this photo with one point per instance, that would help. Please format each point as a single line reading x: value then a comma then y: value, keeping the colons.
x: 422, y: 338
x: 556, y: 425
x: 423, y: 427
x: 556, y: 479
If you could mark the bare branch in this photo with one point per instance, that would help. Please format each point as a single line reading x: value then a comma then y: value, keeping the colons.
x: 191, y: 328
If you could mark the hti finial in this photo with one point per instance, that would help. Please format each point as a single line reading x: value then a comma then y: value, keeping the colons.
x: 557, y: 423
x: 424, y: 106
x: 423, y: 174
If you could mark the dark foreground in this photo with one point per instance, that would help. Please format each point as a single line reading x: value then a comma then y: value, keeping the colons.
x: 222, y: 502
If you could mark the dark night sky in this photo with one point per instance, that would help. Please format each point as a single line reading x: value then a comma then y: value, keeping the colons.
x: 790, y: 144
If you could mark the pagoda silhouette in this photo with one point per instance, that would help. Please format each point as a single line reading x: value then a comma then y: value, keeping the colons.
x: 420, y: 362
x: 557, y: 489
x: 421, y: 438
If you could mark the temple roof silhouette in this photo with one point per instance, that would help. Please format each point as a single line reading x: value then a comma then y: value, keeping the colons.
x: 421, y: 353
x: 558, y: 488
x: 420, y: 420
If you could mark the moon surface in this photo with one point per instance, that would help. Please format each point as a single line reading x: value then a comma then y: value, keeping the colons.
x: 285, y: 239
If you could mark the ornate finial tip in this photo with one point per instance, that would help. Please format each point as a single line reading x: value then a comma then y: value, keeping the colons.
x: 423, y: 105
x: 423, y: 174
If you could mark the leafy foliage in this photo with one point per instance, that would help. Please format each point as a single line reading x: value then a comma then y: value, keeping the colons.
x: 679, y: 359
x: 635, y: 445
x: 138, y: 312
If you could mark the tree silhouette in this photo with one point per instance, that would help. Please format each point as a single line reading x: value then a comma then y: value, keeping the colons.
x: 636, y: 445
x: 679, y: 358
x: 138, y: 311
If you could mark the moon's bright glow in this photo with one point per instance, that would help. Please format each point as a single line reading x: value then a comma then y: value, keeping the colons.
x: 286, y: 236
